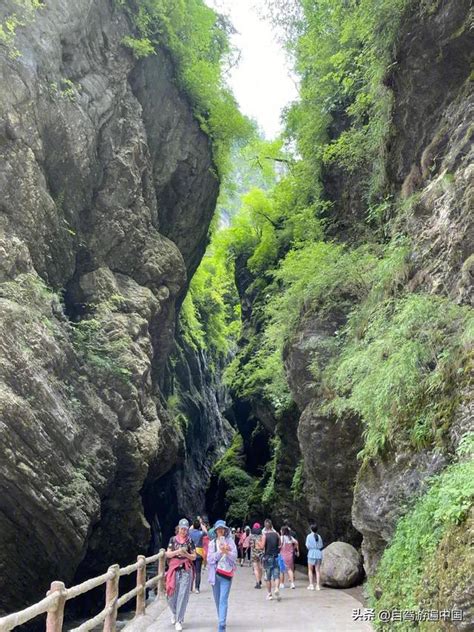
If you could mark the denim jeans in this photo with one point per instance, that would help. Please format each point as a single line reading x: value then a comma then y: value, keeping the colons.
x: 197, y: 568
x: 271, y: 567
x: 178, y: 601
x: 221, y: 590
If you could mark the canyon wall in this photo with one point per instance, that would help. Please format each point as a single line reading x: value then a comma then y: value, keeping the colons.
x: 108, y: 189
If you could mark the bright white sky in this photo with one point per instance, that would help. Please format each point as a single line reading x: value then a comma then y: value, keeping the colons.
x: 261, y: 82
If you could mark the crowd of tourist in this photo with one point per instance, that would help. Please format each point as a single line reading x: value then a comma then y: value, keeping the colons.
x: 221, y: 549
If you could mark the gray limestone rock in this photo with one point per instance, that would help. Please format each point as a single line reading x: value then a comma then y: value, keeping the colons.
x: 383, y: 493
x: 341, y: 566
x: 328, y: 445
x: 97, y: 187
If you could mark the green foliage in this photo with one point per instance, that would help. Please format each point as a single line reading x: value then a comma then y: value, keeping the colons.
x: 210, y: 313
x: 38, y: 300
x: 246, y: 174
x: 269, y: 492
x: 415, y: 544
x: 343, y: 50
x: 24, y: 13
x: 190, y: 325
x: 317, y: 275
x: 297, y: 484
x: 68, y: 90
x: 174, y: 405
x: 466, y: 445
x: 403, y: 373
x: 197, y: 40
x: 233, y: 456
x: 232, y: 477
x: 320, y: 276
x: 27, y: 288
x: 258, y: 372
x: 141, y: 47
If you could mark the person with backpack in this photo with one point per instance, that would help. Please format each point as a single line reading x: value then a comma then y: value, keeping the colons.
x: 221, y: 559
x: 314, y: 544
x: 270, y: 543
x: 256, y: 553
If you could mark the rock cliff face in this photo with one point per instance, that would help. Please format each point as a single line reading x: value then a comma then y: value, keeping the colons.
x: 200, y: 401
x: 430, y: 162
x: 107, y: 193
x: 428, y: 165
x: 328, y: 445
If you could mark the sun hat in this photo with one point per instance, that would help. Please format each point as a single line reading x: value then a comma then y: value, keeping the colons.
x: 220, y: 524
x: 183, y: 523
x: 256, y: 525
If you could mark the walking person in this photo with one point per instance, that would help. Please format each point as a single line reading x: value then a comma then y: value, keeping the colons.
x: 237, y: 536
x: 205, y: 542
x: 314, y: 544
x: 256, y: 553
x: 179, y: 576
x: 221, y: 560
x: 246, y: 545
x: 286, y: 523
x: 242, y: 538
x: 289, y: 545
x: 196, y: 533
x: 270, y: 544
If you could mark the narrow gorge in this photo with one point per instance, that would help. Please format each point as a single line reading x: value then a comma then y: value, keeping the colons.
x: 196, y: 320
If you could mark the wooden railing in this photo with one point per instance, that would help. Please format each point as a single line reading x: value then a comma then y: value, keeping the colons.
x: 55, y: 600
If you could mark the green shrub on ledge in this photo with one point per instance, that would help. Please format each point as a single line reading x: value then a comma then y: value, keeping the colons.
x: 403, y: 372
x: 403, y: 580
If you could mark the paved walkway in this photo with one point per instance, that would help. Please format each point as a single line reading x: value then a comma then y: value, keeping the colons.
x: 328, y: 610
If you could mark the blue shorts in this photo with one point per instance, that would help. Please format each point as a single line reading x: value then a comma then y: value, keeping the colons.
x: 314, y: 561
x: 271, y: 567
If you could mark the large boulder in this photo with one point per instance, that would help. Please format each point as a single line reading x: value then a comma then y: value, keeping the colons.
x: 341, y: 566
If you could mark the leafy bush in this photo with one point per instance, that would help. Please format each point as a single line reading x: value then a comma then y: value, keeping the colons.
x: 403, y: 373
x: 316, y: 275
x: 210, y: 314
x: 297, y: 484
x: 342, y: 52
x: 414, y: 546
x: 234, y: 480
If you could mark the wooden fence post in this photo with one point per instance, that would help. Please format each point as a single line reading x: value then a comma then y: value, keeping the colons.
x: 54, y: 618
x: 141, y: 581
x: 111, y: 595
x: 161, y: 571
